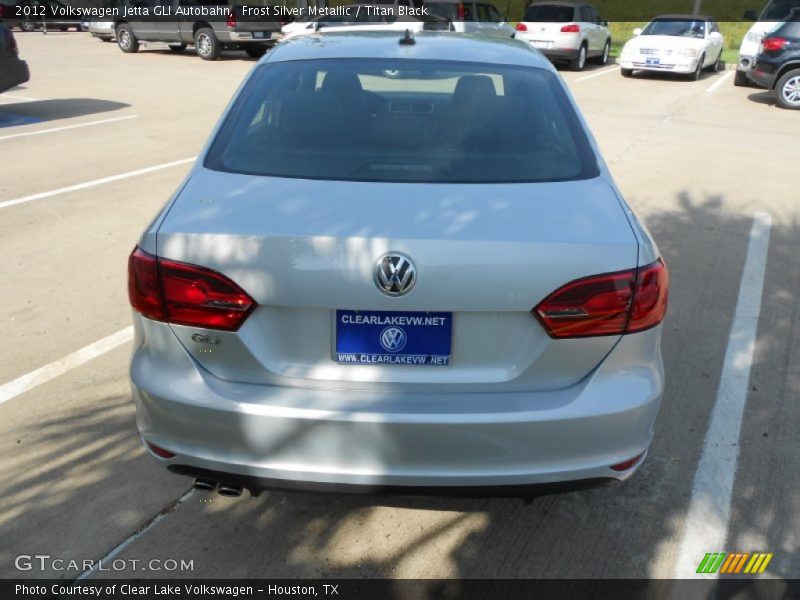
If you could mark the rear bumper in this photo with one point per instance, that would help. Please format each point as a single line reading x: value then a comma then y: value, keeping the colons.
x: 763, y: 73
x: 13, y: 72
x: 250, y: 37
x: 275, y: 436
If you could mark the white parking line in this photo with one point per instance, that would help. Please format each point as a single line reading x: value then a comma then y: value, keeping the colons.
x: 94, y: 182
x: 706, y: 526
x: 599, y: 73
x: 27, y: 382
x: 16, y: 98
x: 106, y: 560
x: 720, y: 80
x: 65, y: 127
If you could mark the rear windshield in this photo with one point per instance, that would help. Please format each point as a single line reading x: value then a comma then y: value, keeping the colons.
x: 405, y: 121
x: 549, y: 13
x: 778, y: 10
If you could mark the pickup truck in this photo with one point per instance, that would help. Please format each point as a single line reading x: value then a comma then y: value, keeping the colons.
x: 209, y: 25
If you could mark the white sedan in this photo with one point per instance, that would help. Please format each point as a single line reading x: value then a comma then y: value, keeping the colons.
x: 674, y: 43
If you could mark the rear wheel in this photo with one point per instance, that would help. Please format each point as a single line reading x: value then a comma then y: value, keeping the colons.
x: 177, y: 47
x: 206, y: 44
x: 717, y: 65
x: 126, y: 40
x: 787, y: 90
x: 27, y: 25
x: 740, y: 79
x: 626, y: 72
x: 699, y: 70
x: 255, y: 51
x: 603, y: 58
x: 577, y: 63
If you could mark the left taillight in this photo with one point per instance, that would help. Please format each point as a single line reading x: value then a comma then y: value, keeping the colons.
x: 774, y: 44
x: 608, y: 304
x: 231, y: 20
x: 184, y: 294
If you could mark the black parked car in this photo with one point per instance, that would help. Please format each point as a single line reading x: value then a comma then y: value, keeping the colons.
x: 13, y: 70
x: 777, y: 66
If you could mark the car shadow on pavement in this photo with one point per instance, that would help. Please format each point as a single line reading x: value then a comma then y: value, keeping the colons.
x: 763, y: 97
x: 629, y: 530
x: 625, y: 531
x: 60, y: 108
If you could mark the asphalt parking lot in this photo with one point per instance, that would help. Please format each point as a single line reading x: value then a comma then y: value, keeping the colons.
x: 97, y: 142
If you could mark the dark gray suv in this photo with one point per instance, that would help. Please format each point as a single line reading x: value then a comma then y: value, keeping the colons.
x: 209, y: 25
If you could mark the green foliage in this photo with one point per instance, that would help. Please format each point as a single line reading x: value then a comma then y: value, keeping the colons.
x: 635, y: 10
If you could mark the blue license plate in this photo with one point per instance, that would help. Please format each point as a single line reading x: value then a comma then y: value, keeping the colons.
x: 373, y: 337
x: 653, y: 61
x: 262, y: 35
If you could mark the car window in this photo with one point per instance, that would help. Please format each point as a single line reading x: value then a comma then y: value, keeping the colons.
x: 494, y: 15
x: 448, y: 10
x: 778, y: 10
x: 417, y: 121
x: 482, y: 12
x: 676, y: 27
x: 469, y: 11
x: 549, y: 13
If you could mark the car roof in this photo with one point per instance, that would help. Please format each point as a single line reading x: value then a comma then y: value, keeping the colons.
x: 447, y: 46
x: 557, y: 3
x: 683, y: 18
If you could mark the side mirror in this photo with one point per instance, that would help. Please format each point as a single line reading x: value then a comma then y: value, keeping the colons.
x: 505, y: 20
x: 637, y: 31
x: 750, y: 15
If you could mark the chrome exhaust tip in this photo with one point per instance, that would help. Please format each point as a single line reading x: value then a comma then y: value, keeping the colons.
x: 205, y: 485
x: 229, y: 491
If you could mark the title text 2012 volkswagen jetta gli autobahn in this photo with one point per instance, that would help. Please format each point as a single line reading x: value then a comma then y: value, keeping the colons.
x: 398, y: 265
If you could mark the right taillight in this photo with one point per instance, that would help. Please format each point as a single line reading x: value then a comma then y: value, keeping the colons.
x: 774, y: 44
x: 572, y: 28
x: 184, y: 294
x: 522, y: 27
x: 608, y: 304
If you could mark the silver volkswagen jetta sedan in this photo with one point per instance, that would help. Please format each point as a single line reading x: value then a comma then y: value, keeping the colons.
x: 421, y: 281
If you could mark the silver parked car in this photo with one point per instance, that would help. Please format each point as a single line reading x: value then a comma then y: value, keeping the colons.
x: 420, y: 281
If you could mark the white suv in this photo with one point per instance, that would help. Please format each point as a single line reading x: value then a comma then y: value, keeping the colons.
x: 566, y: 31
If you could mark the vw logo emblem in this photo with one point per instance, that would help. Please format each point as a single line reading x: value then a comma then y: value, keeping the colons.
x: 395, y: 274
x: 393, y: 339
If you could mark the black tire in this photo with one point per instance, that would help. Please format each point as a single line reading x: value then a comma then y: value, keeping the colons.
x: 626, y: 72
x: 787, y: 90
x: 741, y: 79
x: 126, y: 39
x: 717, y: 65
x: 698, y: 72
x: 206, y: 44
x: 579, y: 62
x: 603, y: 58
x: 27, y: 26
x: 177, y: 47
x: 255, y: 51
